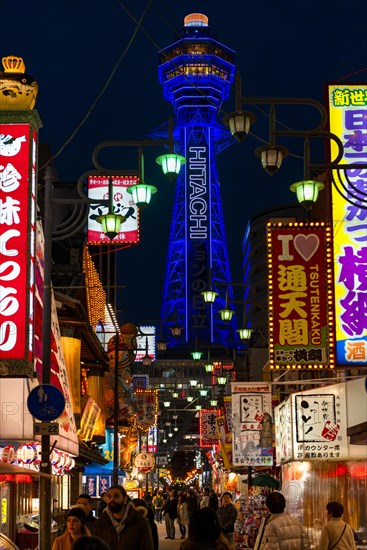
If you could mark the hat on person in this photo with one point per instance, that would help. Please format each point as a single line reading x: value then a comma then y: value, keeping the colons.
x: 78, y: 513
x: 204, y: 525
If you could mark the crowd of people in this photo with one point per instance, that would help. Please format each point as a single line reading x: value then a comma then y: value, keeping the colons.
x: 204, y: 521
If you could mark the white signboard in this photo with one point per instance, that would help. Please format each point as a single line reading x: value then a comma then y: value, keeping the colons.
x: 252, y: 424
x: 283, y: 431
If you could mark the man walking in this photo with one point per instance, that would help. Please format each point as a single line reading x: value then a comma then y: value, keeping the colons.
x: 170, y: 514
x: 120, y: 526
x: 282, y: 532
x: 336, y: 533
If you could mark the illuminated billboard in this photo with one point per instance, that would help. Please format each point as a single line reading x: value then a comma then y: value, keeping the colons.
x: 348, y: 120
x: 122, y: 205
x: 18, y: 153
x: 300, y: 296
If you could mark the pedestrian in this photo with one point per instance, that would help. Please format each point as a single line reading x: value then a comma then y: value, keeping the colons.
x: 213, y: 501
x: 89, y: 543
x: 158, y: 503
x: 204, y: 503
x: 227, y: 515
x: 336, y: 534
x: 183, y: 519
x: 75, y: 529
x: 122, y: 527
x: 192, y: 503
x: 282, y: 531
x: 204, y: 532
x: 86, y: 503
x: 146, y: 511
x: 170, y: 514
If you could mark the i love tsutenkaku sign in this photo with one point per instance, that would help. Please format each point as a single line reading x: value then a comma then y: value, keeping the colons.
x: 300, y: 296
x: 18, y: 149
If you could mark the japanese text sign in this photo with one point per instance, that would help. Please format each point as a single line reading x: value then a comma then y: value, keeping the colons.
x: 18, y: 149
x: 147, y: 403
x: 317, y: 420
x: 348, y: 120
x: 122, y: 205
x: 252, y: 424
x: 208, y: 428
x: 300, y: 296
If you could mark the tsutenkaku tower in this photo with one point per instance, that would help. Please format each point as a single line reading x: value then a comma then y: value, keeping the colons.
x: 196, y: 73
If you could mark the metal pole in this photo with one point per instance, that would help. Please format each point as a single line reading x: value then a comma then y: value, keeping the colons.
x: 44, y: 534
x: 115, y: 477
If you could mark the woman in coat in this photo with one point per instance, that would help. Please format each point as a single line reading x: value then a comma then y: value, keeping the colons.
x: 75, y: 529
x: 182, y: 519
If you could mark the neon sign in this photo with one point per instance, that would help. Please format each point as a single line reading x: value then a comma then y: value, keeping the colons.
x: 18, y: 144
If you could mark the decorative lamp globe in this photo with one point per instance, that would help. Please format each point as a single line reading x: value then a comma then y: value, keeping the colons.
x: 271, y: 157
x: 111, y: 224
x: 226, y: 314
x: 245, y: 333
x: 141, y: 193
x: 209, y: 296
x: 307, y: 192
x: 239, y: 123
x: 170, y: 163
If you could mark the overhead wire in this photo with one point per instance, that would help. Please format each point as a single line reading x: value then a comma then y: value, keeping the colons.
x: 104, y: 87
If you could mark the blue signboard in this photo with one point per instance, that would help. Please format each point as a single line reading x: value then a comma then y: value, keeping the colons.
x: 46, y: 402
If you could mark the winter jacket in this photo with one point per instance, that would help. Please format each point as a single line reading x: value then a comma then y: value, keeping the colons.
x: 170, y: 508
x: 283, y: 532
x: 331, y: 532
x: 65, y: 542
x: 183, y: 517
x: 149, y: 515
x: 227, y: 516
x: 135, y: 535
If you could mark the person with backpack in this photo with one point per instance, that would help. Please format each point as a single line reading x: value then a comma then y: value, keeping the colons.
x: 158, y: 503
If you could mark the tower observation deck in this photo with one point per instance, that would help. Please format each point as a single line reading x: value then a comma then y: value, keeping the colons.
x: 196, y: 73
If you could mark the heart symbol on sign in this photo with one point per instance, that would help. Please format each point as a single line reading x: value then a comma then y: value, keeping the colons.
x: 306, y: 245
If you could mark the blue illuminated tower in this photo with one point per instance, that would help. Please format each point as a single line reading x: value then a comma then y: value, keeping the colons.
x: 196, y: 73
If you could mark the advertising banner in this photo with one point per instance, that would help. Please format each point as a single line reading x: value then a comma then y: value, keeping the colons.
x: 147, y: 409
x: 252, y: 424
x: 207, y: 427
x: 312, y: 425
x: 348, y: 120
x: 300, y: 296
x: 122, y: 205
x: 18, y: 150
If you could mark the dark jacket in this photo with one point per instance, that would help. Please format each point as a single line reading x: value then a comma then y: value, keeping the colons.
x: 227, y: 516
x: 136, y: 534
x: 170, y: 508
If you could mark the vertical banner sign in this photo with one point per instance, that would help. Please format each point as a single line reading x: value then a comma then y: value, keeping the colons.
x: 147, y: 409
x: 122, y: 205
x: 252, y: 424
x: 300, y: 296
x: 18, y: 144
x: 348, y: 120
x: 208, y: 428
x: 198, y: 229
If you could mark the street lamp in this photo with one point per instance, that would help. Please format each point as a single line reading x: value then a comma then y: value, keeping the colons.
x: 272, y: 154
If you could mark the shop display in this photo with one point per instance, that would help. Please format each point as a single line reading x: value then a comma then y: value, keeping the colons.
x: 251, y: 511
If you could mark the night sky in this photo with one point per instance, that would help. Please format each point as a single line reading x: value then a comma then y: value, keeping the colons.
x: 287, y: 48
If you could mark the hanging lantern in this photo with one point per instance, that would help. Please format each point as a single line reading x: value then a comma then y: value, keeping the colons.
x: 141, y: 193
x: 196, y: 355
x: 245, y: 333
x: 209, y: 296
x: 171, y: 163
x: 307, y: 192
x: 226, y: 314
x: 239, y: 123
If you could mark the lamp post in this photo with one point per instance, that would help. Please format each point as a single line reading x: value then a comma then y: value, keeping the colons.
x: 272, y: 154
x: 45, y: 465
